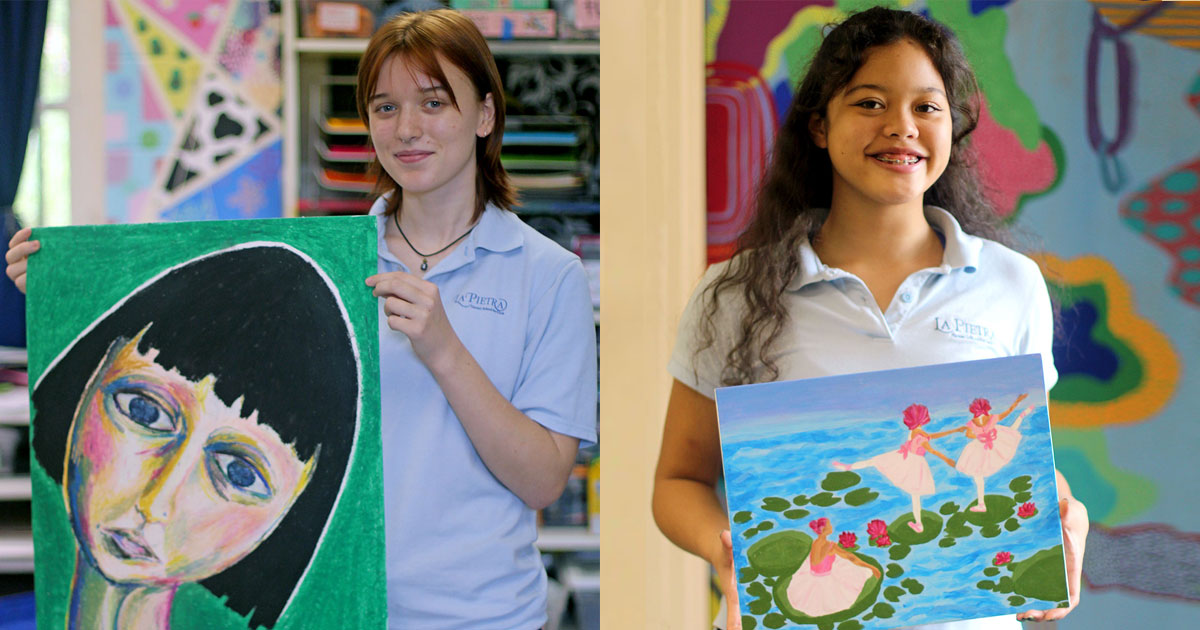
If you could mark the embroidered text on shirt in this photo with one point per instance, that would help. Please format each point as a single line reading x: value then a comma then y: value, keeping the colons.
x: 962, y: 329
x: 482, y: 302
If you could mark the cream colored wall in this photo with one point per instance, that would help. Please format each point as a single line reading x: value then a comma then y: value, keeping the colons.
x: 85, y: 110
x: 652, y: 252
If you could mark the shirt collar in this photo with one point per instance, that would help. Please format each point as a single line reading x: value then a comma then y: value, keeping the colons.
x: 497, y: 231
x: 961, y: 251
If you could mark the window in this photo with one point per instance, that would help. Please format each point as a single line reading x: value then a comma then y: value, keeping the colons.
x: 44, y: 194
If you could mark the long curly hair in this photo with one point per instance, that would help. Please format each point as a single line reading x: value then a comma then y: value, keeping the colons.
x: 794, y: 195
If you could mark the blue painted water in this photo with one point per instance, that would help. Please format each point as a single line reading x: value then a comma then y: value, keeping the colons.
x: 782, y: 466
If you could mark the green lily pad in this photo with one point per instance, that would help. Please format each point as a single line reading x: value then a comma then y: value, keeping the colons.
x: 749, y: 623
x: 991, y: 531
x: 894, y: 570
x: 893, y: 593
x: 800, y: 499
x: 824, y: 499
x: 1021, y: 484
x: 1022, y: 497
x: 774, y: 620
x: 796, y: 513
x: 750, y: 533
x: 913, y: 585
x: 868, y: 596
x: 742, y: 517
x: 769, y: 581
x: 851, y: 624
x: 1041, y: 576
x: 780, y: 553
x: 1012, y: 525
x: 862, y: 496
x: 901, y: 532
x: 948, y: 508
x: 986, y: 585
x: 1016, y: 600
x: 758, y: 590
x: 999, y: 509
x: 883, y: 611
x: 775, y: 504
x: 947, y: 543
x: 747, y: 574
x: 898, y: 551
x: 1004, y: 584
x: 840, y: 480
x: 759, y: 606
x: 765, y: 525
x: 991, y: 571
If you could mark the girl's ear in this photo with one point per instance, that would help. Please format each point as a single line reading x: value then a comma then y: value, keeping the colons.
x: 487, y: 121
x: 816, y: 129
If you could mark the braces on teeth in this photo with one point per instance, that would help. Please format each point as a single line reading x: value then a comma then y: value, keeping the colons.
x: 910, y: 160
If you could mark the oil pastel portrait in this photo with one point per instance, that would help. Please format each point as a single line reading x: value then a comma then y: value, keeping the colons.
x: 198, y: 437
x: 893, y: 498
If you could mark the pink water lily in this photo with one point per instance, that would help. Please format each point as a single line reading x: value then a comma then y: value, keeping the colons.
x: 1002, y: 558
x: 847, y: 540
x: 882, y: 540
x: 1027, y: 509
x: 876, y: 527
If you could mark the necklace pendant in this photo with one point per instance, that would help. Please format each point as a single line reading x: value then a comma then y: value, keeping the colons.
x: 424, y: 265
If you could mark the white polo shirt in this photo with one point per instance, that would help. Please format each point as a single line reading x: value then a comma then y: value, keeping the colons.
x: 460, y: 545
x: 983, y: 301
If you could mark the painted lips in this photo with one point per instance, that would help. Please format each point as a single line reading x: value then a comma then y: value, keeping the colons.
x: 127, y: 545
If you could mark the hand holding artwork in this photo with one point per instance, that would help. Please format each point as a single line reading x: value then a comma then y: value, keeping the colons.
x: 1075, y: 525
x: 20, y: 248
x: 722, y: 561
x: 414, y: 307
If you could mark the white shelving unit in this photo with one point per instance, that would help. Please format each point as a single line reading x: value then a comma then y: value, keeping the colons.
x: 16, y: 534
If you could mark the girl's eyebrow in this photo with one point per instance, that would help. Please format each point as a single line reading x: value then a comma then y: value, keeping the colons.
x: 880, y: 88
x: 426, y: 90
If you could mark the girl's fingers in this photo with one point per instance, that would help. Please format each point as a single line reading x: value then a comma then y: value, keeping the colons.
x: 20, y: 251
x: 21, y: 236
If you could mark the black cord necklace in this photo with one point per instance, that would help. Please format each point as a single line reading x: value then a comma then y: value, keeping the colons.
x: 425, y: 257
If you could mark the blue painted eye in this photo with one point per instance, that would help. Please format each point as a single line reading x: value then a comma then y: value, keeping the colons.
x: 242, y: 474
x: 144, y: 411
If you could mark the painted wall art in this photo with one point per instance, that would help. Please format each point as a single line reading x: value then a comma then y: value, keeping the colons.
x: 1091, y: 118
x: 893, y: 498
x: 192, y: 110
x: 206, y: 425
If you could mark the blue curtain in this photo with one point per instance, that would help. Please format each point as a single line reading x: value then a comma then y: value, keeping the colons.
x: 22, y: 30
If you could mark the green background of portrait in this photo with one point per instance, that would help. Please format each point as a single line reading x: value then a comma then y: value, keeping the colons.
x: 80, y: 272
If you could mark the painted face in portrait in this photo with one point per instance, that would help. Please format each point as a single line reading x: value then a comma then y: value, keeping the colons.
x: 167, y: 483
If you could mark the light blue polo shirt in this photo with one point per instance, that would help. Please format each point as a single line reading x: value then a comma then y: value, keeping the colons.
x: 460, y: 545
x: 984, y: 301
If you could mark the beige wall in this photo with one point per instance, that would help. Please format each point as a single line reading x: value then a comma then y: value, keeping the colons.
x: 652, y: 253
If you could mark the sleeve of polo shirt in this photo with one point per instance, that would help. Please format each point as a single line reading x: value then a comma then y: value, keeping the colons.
x: 557, y: 386
x: 701, y: 372
x: 1039, y: 332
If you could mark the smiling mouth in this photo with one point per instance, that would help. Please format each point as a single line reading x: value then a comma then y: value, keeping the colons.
x: 127, y: 545
x: 898, y: 159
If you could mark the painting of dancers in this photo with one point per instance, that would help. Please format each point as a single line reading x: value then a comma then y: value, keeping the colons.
x: 894, y: 498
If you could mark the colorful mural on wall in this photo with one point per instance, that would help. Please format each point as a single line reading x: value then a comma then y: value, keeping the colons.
x: 192, y: 116
x: 1089, y: 137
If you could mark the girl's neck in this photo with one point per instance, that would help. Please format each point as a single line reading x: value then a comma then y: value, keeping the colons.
x: 433, y: 219
x: 876, y: 235
x: 98, y: 603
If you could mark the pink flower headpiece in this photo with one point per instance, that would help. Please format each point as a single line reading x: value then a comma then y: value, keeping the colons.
x: 819, y: 525
x: 980, y: 406
x: 916, y: 415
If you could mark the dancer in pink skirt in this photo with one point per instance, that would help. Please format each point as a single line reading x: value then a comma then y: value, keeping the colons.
x: 992, y: 444
x: 906, y: 467
x: 831, y: 578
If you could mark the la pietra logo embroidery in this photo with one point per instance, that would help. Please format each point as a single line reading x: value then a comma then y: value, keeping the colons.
x: 470, y: 299
x: 960, y: 328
